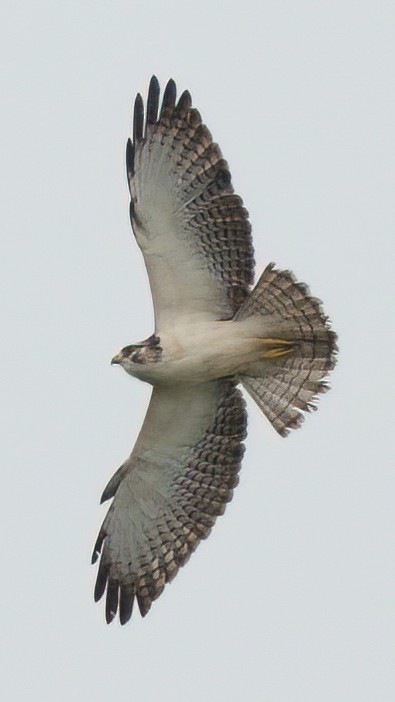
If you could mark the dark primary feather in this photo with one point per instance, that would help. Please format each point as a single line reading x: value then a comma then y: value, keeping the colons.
x: 111, y: 600
x: 138, y: 119
x: 169, y: 96
x: 129, y: 159
x: 185, y: 100
x: 101, y: 580
x: 153, y: 101
x: 126, y: 601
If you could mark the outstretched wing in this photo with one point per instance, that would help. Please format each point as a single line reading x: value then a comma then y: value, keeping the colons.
x: 190, y: 225
x: 169, y: 492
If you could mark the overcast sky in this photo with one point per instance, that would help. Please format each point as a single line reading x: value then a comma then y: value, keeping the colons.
x: 291, y: 599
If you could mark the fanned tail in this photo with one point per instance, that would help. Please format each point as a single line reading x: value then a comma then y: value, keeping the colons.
x: 298, y: 348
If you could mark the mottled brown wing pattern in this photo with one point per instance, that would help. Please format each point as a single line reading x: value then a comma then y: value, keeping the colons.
x: 174, y: 165
x: 163, y: 507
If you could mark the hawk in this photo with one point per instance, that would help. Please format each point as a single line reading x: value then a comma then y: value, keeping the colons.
x: 213, y: 332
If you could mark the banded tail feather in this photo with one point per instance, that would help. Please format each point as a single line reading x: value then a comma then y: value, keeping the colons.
x: 298, y: 348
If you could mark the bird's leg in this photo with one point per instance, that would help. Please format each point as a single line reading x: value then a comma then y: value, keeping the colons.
x: 276, y: 347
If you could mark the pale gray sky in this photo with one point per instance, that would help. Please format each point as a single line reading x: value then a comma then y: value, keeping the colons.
x: 292, y: 597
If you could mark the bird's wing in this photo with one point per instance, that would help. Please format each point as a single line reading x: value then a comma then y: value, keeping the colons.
x: 190, y: 225
x: 168, y: 494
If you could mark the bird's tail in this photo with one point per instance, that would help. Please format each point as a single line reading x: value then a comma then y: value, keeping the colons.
x: 298, y: 348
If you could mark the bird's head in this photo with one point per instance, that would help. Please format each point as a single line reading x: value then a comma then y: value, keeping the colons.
x: 132, y: 357
x: 127, y: 355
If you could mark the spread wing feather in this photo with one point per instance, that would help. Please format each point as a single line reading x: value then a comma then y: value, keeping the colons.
x: 169, y: 492
x: 190, y: 225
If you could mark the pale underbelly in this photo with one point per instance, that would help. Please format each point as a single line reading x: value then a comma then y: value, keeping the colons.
x: 200, y: 354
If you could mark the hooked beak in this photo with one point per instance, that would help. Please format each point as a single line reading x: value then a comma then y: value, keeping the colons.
x: 116, y: 359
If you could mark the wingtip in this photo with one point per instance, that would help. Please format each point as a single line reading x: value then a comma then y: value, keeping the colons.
x: 106, y: 495
x: 112, y: 600
x: 129, y: 158
x: 168, y: 100
x: 126, y: 601
x: 185, y: 101
x: 169, y: 96
x: 171, y: 86
x: 138, y: 101
x: 110, y: 616
x: 138, y: 118
x: 101, y: 582
x: 98, y: 546
x: 154, y: 87
x: 152, y: 102
x: 144, y: 604
x: 124, y: 618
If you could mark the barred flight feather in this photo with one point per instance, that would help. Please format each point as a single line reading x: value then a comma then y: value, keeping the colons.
x: 184, y: 183
x: 161, y: 511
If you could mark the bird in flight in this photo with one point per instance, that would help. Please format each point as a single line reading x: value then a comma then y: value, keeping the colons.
x: 213, y: 332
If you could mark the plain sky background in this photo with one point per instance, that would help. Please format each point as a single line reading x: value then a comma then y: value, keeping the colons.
x: 291, y: 599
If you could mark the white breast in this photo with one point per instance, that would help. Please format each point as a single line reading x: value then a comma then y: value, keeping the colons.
x: 200, y: 351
